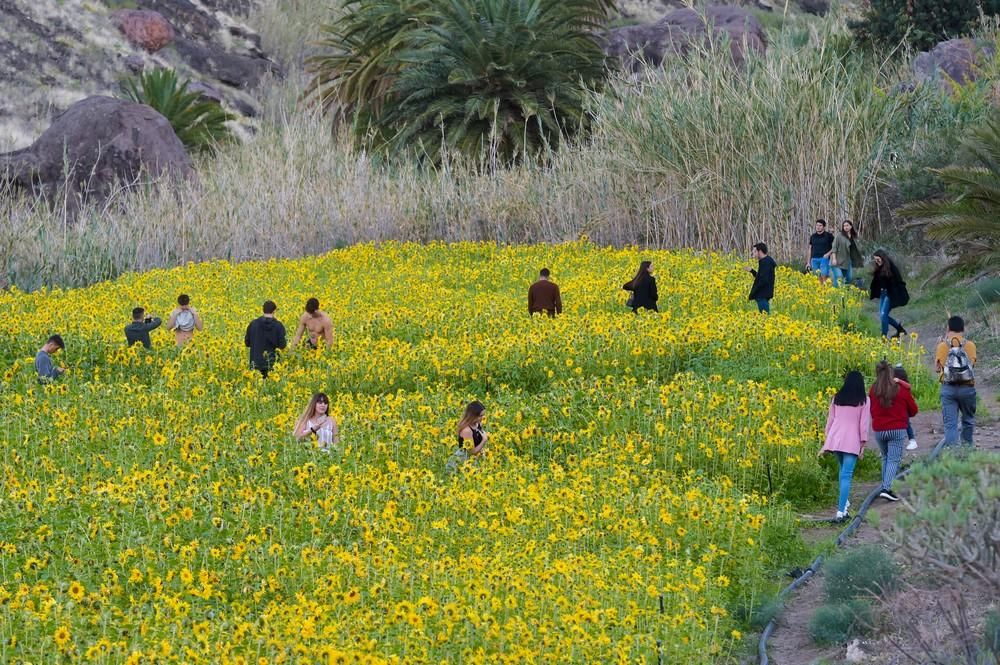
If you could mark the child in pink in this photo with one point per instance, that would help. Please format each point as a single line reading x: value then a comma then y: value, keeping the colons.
x: 847, y: 432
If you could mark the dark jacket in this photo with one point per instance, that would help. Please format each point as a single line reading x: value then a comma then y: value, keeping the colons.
x: 763, y: 279
x: 893, y: 285
x: 265, y: 335
x: 644, y: 295
x: 543, y: 296
x: 138, y: 331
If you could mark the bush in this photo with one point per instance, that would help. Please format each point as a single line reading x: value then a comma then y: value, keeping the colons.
x: 507, y: 77
x: 950, y: 524
x: 919, y: 23
x: 200, y: 125
x: 838, y: 622
x: 987, y: 293
x: 991, y: 633
x: 861, y: 572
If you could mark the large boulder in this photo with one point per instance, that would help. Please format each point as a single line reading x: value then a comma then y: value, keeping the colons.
x: 954, y: 61
x: 96, y: 146
x: 683, y: 28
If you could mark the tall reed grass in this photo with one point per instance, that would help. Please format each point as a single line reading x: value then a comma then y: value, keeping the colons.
x: 697, y: 154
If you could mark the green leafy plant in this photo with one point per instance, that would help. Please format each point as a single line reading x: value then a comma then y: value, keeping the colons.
x: 919, y: 23
x: 838, y: 622
x: 859, y: 573
x: 991, y: 632
x: 968, y: 219
x: 505, y: 76
x: 200, y: 125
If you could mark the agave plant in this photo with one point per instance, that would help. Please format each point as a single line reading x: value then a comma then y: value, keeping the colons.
x: 200, y: 125
x: 967, y: 220
x: 508, y: 76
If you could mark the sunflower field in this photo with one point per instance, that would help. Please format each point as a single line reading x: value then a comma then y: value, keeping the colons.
x: 634, y: 501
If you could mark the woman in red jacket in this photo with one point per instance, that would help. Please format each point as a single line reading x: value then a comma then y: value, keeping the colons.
x: 892, y: 406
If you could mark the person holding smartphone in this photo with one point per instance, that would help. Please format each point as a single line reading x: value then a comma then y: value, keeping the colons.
x: 317, y: 422
x: 138, y: 331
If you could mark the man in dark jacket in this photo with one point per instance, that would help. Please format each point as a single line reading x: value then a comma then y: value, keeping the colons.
x: 543, y: 295
x: 763, y: 278
x: 265, y: 335
x: 138, y: 330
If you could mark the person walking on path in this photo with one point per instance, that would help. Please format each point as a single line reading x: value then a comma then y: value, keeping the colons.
x: 891, y: 406
x: 317, y: 323
x: 44, y: 366
x: 317, y: 421
x: 845, y: 253
x: 847, y: 428
x: 899, y: 373
x: 643, y: 288
x: 183, y: 320
x: 820, y: 248
x: 762, y: 289
x: 264, y: 336
x: 955, y: 358
x: 472, y: 438
x: 889, y: 289
x: 138, y: 331
x: 543, y: 295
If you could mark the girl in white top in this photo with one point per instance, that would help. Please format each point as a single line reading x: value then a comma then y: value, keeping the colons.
x: 317, y: 421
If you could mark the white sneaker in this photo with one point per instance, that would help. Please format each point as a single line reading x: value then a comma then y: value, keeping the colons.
x: 912, y: 445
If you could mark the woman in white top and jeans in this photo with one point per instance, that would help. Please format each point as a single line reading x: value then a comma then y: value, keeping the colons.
x: 317, y: 421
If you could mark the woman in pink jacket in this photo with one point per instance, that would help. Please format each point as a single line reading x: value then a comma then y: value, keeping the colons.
x: 847, y: 432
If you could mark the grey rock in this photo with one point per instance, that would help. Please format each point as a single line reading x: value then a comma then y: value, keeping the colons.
x: 676, y: 32
x: 953, y: 61
x: 815, y: 7
x: 98, y: 145
x: 206, y: 92
x: 239, y: 71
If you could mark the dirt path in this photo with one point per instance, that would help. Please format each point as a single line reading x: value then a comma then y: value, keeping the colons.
x: 790, y: 643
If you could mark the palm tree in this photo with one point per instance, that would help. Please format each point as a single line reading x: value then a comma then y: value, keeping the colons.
x: 507, y: 76
x: 968, y: 220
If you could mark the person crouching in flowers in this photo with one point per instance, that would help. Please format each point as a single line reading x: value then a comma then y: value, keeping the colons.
x: 847, y: 432
x: 892, y: 406
x: 472, y: 437
x: 317, y: 421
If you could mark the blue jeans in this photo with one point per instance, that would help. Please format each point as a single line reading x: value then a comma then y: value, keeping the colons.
x: 891, y: 443
x: 884, y: 307
x: 847, y: 462
x: 845, y: 273
x: 821, y: 265
x: 909, y: 430
x: 763, y: 305
x: 957, y: 400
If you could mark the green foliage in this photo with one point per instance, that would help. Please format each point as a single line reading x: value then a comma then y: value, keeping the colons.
x: 987, y: 293
x: 838, y: 622
x: 948, y: 527
x: 968, y: 220
x: 919, y: 23
x: 200, y: 125
x: 859, y: 573
x: 506, y: 76
x: 991, y: 632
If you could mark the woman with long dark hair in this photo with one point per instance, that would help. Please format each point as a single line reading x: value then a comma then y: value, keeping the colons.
x: 643, y: 288
x: 847, y: 432
x: 889, y: 289
x: 317, y: 421
x: 845, y: 254
x: 472, y: 437
x: 892, y: 406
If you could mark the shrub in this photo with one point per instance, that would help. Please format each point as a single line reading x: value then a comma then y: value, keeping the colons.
x: 508, y: 76
x: 987, y: 293
x: 200, y: 125
x: 919, y: 23
x: 838, y: 622
x: 991, y: 632
x: 950, y: 524
x: 861, y: 572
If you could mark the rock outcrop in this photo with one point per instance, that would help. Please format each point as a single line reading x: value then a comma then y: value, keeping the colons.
x: 682, y: 28
x: 954, y: 61
x: 55, y: 53
x: 99, y: 144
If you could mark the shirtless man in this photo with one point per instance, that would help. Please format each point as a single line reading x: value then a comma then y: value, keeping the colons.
x: 184, y: 320
x: 317, y: 323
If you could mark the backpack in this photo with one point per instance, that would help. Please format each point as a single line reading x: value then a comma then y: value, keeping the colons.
x: 957, y: 366
x: 184, y: 320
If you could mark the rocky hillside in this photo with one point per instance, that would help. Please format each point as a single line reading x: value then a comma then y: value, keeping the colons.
x: 56, y: 52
